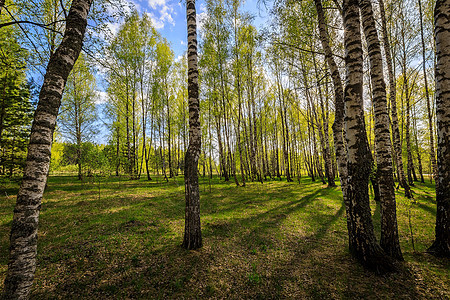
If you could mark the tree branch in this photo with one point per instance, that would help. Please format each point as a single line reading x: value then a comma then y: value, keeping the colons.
x: 45, y: 26
x: 304, y: 50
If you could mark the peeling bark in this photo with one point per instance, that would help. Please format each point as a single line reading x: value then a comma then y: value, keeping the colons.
x: 23, y: 238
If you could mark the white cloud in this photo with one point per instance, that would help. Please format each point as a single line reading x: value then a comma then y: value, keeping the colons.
x: 202, y: 7
x: 183, y: 43
x: 161, y: 13
x: 156, y: 22
x: 201, y: 18
x: 155, y: 3
x: 102, y: 97
x: 166, y: 15
x: 113, y: 27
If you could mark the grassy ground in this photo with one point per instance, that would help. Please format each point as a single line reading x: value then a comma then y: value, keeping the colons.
x: 271, y: 240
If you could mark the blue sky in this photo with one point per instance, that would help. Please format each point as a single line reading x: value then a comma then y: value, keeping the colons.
x: 169, y: 18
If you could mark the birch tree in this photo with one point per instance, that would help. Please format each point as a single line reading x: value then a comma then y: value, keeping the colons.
x: 392, y: 98
x: 362, y: 241
x: 192, y: 230
x: 389, y: 232
x: 23, y: 238
x: 338, y: 125
x: 441, y: 245
x: 78, y: 112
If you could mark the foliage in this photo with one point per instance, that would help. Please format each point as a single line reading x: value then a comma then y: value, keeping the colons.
x: 95, y: 159
x: 16, y: 102
x: 78, y: 114
x: 43, y: 25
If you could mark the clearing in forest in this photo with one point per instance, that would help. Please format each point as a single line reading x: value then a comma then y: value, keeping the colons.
x: 122, y: 239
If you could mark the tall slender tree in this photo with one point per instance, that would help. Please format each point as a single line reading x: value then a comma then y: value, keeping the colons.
x: 363, y: 244
x: 192, y: 230
x: 393, y: 100
x: 78, y: 112
x: 441, y: 245
x: 338, y: 125
x: 389, y: 232
x: 427, y: 97
x: 23, y: 239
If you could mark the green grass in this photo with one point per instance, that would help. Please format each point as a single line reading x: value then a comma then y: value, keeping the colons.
x: 271, y: 240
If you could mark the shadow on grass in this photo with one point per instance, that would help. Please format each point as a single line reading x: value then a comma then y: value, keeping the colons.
x: 426, y: 208
x: 275, y: 216
x: 255, y: 246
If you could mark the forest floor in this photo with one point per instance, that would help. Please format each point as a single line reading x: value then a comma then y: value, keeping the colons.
x: 263, y: 241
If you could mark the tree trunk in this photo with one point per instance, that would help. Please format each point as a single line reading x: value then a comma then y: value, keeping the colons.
x: 78, y: 136
x: 410, y: 164
x: 134, y: 131
x: 223, y: 164
x: 192, y: 230
x: 427, y: 96
x: 168, y: 136
x: 2, y: 113
x: 389, y: 230
x: 325, y: 136
x: 393, y: 101
x: 341, y: 155
x: 284, y: 131
x: 127, y: 118
x: 441, y: 245
x: 363, y: 244
x: 419, y: 156
x: 118, y: 151
x: 23, y: 238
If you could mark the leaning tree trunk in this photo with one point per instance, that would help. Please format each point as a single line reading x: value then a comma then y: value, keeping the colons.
x: 389, y: 230
x: 363, y: 244
x: 392, y: 98
x: 441, y: 245
x: 23, y: 239
x: 192, y: 230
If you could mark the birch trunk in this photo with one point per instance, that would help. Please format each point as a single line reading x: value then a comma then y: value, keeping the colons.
x: 363, y: 244
x: 441, y: 245
x: 427, y: 96
x: 322, y: 138
x: 410, y: 164
x: 192, y: 230
x: 389, y: 230
x: 393, y: 101
x: 23, y: 238
x: 341, y: 155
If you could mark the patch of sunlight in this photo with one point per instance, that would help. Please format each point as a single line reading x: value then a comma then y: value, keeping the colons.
x: 55, y: 200
x: 116, y: 209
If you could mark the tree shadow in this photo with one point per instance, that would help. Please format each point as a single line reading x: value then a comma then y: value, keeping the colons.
x: 274, y: 216
x: 426, y: 208
x: 247, y: 256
